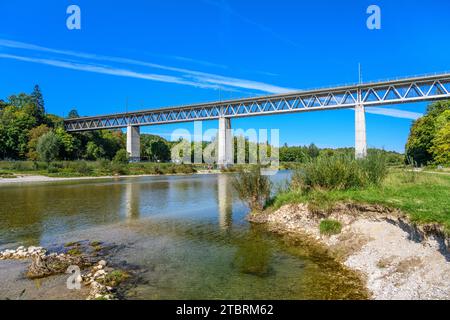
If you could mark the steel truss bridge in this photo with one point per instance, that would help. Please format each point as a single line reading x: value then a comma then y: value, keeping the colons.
x: 407, y: 90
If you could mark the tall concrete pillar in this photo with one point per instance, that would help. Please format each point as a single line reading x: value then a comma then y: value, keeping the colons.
x: 134, y: 143
x: 360, y: 132
x: 224, y: 143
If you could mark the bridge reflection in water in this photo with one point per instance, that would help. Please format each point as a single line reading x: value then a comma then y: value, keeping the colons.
x: 132, y: 200
x: 224, y: 201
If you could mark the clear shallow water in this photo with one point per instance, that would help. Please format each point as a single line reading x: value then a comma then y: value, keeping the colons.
x: 187, y: 235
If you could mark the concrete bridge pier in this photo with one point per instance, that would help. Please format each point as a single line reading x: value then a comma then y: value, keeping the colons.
x: 224, y: 143
x: 360, y: 132
x: 134, y: 143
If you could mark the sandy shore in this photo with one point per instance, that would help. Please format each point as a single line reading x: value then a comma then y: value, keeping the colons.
x: 396, y: 259
x: 37, y: 178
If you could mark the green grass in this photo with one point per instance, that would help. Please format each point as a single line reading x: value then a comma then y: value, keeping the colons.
x: 114, y: 278
x: 424, y: 197
x: 99, y: 168
x: 330, y: 227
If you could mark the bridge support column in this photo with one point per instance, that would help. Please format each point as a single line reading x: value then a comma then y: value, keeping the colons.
x: 360, y: 132
x: 224, y: 143
x: 134, y: 143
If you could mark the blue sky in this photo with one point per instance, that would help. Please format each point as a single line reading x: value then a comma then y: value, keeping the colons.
x: 166, y: 53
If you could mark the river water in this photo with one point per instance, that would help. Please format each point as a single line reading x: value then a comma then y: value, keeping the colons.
x: 187, y: 236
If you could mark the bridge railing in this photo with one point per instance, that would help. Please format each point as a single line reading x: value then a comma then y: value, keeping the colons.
x: 405, y: 90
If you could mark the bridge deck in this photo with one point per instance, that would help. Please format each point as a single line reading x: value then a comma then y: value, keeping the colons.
x: 407, y: 90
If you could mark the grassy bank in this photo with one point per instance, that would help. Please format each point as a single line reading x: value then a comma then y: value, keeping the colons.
x: 424, y: 197
x: 327, y: 180
x: 93, y: 168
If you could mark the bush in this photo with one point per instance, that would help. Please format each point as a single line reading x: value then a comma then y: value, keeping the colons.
x: 335, y: 172
x: 253, y: 188
x: 330, y: 227
x: 80, y: 167
x: 375, y: 167
x: 53, y: 168
x: 119, y: 168
x: 48, y: 147
x: 121, y: 156
x: 185, y: 168
x: 340, y: 172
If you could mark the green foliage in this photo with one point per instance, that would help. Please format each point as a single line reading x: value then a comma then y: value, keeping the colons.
x: 114, y: 278
x: 80, y: 167
x: 253, y: 188
x: 94, y: 151
x: 424, y: 200
x: 330, y: 227
x: 48, y: 147
x: 441, y: 142
x: 313, y: 151
x: 68, y: 143
x: 292, y: 154
x: 155, y: 149
x: 37, y: 100
x: 33, y: 136
x: 428, y: 139
x: 121, y: 156
x: 73, y: 114
x: 320, y: 203
x: 340, y: 172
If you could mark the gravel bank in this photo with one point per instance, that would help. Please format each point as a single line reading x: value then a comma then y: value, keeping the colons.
x: 37, y: 178
x: 397, y: 259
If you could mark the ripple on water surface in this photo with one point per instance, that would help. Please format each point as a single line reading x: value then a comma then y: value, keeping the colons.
x: 187, y: 234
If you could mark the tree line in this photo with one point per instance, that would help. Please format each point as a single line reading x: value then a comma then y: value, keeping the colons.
x: 429, y: 139
x: 27, y: 132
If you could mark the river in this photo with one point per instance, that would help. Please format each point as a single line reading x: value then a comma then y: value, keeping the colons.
x: 187, y: 236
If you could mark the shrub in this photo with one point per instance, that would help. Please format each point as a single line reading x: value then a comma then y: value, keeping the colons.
x: 114, y: 278
x: 375, y: 167
x: 253, y: 188
x: 22, y: 166
x: 80, y: 167
x: 119, y: 168
x: 330, y: 227
x: 184, y: 168
x: 335, y: 172
x: 121, y: 156
x: 48, y: 147
x: 340, y: 172
x: 53, y: 168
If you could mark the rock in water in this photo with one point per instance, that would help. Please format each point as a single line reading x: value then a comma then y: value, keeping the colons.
x: 43, y: 266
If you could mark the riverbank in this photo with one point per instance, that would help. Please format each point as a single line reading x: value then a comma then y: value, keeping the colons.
x: 100, y: 168
x: 76, y: 271
x: 30, y: 178
x: 396, y: 258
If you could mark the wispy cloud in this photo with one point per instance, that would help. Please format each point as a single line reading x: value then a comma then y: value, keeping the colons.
x: 182, y: 76
x: 96, y: 64
x: 199, y: 62
x: 108, y: 70
x: 394, y: 113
